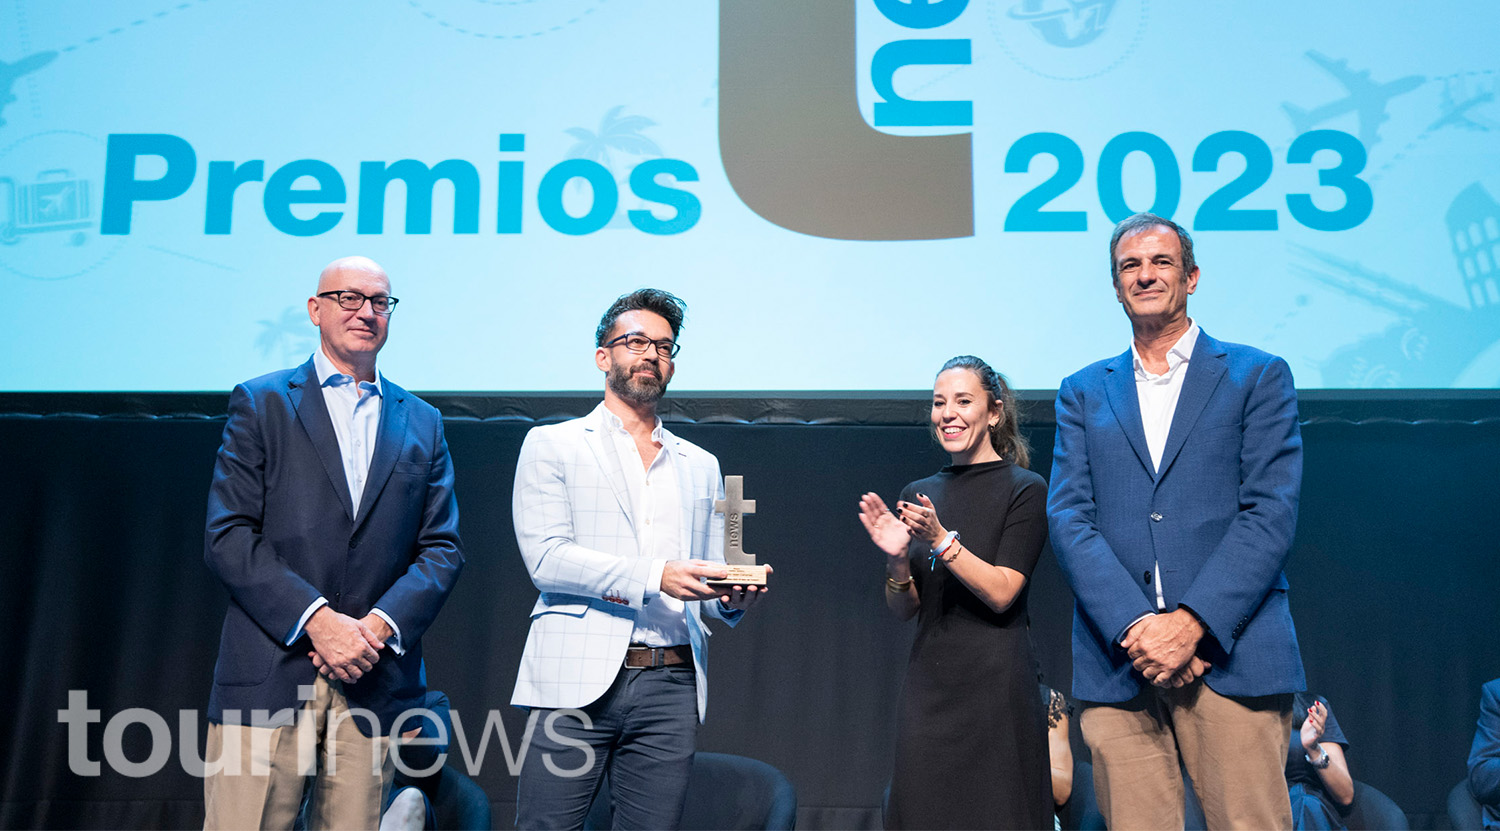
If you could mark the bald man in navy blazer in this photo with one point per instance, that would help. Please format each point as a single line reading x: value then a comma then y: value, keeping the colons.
x: 332, y: 523
x: 1172, y: 507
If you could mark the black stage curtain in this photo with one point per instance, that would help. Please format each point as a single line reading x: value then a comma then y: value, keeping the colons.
x: 103, y: 590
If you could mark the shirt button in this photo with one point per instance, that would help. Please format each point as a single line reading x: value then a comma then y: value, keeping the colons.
x: 1147, y: 575
x: 648, y: 520
x: 1155, y: 516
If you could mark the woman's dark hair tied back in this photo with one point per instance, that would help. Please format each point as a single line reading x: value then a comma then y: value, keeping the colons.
x: 1005, y: 434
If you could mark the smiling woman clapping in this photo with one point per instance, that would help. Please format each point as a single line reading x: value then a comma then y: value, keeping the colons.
x: 971, y: 745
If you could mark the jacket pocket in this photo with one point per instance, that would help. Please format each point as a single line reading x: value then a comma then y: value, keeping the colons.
x: 571, y: 608
x: 412, y: 468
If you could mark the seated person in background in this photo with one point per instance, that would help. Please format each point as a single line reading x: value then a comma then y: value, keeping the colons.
x: 1059, y: 748
x: 428, y: 792
x: 408, y: 806
x: 1317, y: 774
x: 422, y: 781
x: 1484, y: 757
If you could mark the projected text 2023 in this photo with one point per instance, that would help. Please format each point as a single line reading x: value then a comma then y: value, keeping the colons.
x: 313, y: 182
x: 1338, y: 185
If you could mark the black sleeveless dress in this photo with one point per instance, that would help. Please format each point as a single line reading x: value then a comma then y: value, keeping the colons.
x: 971, y: 744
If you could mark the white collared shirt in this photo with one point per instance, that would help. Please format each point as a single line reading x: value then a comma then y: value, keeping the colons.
x: 354, y: 409
x: 1158, y: 396
x: 657, y: 507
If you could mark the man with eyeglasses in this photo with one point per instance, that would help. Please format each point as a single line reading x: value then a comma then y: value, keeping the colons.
x: 615, y: 520
x: 332, y: 523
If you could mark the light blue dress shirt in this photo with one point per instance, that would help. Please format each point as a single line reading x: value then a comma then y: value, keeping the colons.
x: 354, y: 408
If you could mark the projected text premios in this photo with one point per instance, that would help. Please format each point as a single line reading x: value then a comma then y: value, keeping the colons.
x: 311, y: 182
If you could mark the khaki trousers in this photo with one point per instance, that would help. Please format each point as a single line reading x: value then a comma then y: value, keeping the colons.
x: 348, y: 772
x: 1233, y: 748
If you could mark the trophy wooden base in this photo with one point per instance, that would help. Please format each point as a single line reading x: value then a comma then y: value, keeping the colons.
x: 741, y: 576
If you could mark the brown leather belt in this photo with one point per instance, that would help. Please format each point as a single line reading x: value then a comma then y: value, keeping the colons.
x: 658, y: 656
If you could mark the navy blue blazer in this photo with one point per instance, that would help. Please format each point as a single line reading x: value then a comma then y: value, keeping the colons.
x: 1219, y: 517
x: 1484, y: 756
x: 282, y: 531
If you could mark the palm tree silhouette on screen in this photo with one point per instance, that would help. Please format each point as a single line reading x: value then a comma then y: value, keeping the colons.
x: 617, y: 134
x: 291, y: 333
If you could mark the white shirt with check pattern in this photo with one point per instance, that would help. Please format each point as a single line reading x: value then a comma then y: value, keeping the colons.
x: 575, y: 527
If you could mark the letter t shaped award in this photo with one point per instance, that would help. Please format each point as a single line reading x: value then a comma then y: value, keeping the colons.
x: 741, y: 566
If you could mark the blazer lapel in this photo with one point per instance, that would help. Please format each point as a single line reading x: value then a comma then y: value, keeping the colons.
x: 1119, y: 384
x: 609, y: 463
x: 685, y: 491
x: 307, y: 400
x: 1204, y: 371
x: 390, y: 436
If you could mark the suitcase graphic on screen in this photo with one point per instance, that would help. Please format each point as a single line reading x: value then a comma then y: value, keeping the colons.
x: 56, y: 201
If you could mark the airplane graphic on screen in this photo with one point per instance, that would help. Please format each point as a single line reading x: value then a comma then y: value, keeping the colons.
x: 9, y: 72
x: 1456, y: 113
x: 1366, y: 98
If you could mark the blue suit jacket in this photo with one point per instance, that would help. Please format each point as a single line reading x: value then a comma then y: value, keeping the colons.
x: 1219, y: 517
x: 1484, y: 756
x: 282, y: 531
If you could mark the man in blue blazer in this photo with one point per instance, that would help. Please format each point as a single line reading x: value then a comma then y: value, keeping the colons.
x: 1172, y: 508
x: 1484, y: 756
x: 332, y: 523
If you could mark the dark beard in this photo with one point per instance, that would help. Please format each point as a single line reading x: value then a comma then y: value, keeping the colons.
x: 637, y: 389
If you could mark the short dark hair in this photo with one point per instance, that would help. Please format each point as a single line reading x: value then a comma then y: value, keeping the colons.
x: 664, y: 303
x: 1005, y: 436
x: 1142, y: 222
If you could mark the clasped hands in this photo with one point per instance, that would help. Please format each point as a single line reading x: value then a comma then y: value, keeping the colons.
x: 687, y: 580
x: 346, y: 648
x: 1162, y: 648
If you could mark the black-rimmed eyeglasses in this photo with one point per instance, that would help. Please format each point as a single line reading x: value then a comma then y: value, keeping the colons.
x: 638, y: 343
x: 353, y: 301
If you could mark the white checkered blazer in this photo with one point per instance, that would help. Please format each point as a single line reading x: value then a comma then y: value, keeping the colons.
x: 576, y: 531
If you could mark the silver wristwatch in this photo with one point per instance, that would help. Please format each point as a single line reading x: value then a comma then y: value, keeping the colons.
x: 1323, y: 761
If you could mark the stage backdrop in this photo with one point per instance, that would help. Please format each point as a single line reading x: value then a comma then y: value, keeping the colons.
x: 829, y: 174
x: 104, y: 595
